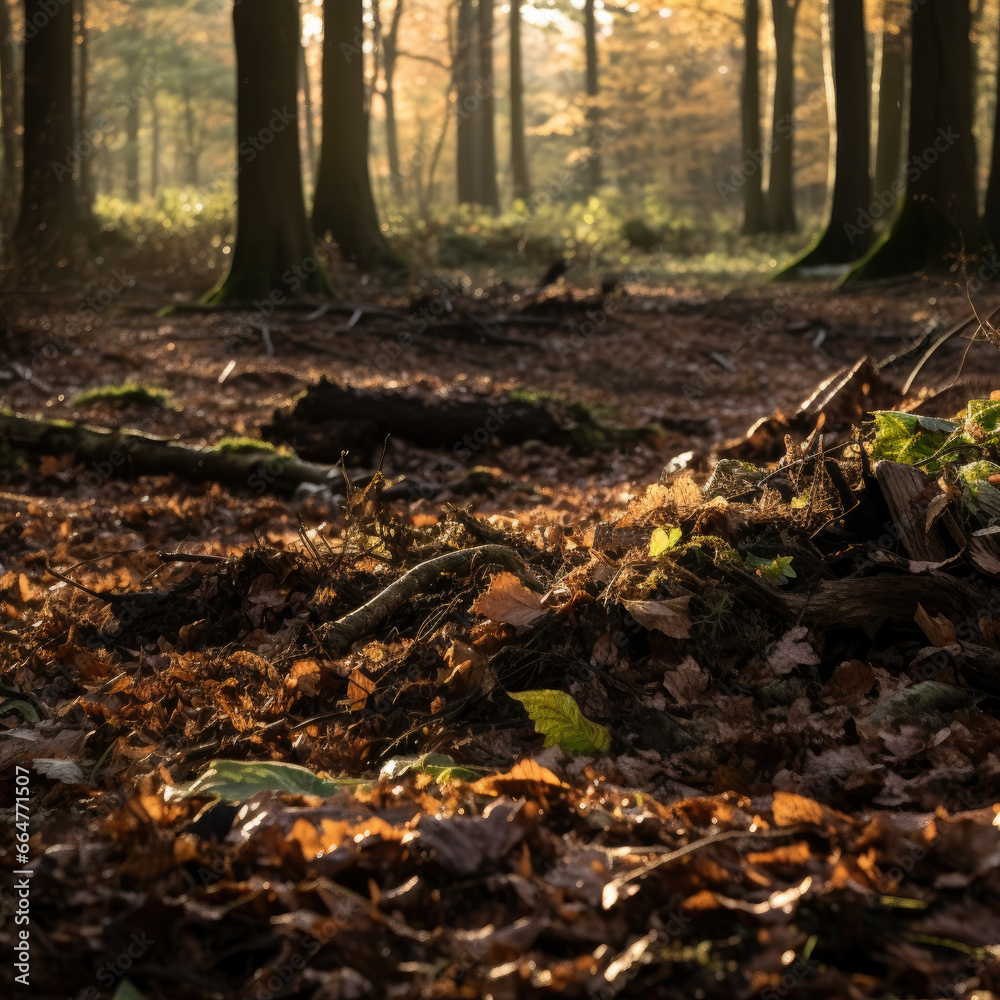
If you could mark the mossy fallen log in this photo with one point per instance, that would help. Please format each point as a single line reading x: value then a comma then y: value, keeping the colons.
x: 255, y: 467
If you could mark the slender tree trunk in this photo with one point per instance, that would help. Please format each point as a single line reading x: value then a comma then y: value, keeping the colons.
x: 518, y: 145
x: 344, y: 206
x: 389, y: 42
x: 191, y: 151
x: 47, y: 221
x: 132, y: 151
x: 154, y: 146
x: 593, y: 174
x: 274, y: 257
x: 85, y: 173
x: 467, y: 149
x: 938, y: 216
x: 307, y: 108
x: 780, y: 185
x: 489, y: 194
x: 844, y: 240
x: 891, y: 97
x: 9, y: 103
x: 991, y: 211
x: 754, y: 208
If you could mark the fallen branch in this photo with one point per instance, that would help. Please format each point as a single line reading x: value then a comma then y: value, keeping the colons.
x: 338, y: 636
x: 123, y: 452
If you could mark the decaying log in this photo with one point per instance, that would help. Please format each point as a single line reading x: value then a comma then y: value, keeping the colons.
x: 330, y: 418
x: 111, y: 453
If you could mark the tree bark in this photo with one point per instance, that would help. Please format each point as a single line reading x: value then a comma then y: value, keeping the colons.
x: 274, y: 257
x: 754, y: 208
x: 991, y: 211
x: 844, y: 240
x: 489, y: 194
x: 85, y: 173
x: 389, y: 42
x: 518, y: 145
x: 592, y: 81
x: 467, y: 149
x: 344, y: 205
x: 9, y: 103
x: 132, y: 149
x: 780, y: 185
x: 47, y: 222
x: 307, y: 111
x: 191, y: 151
x: 891, y: 97
x: 154, y: 146
x: 938, y: 216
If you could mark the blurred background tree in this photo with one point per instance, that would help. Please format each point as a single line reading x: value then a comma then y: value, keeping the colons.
x: 499, y: 134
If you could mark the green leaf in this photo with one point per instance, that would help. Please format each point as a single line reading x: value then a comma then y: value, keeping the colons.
x: 26, y: 709
x: 559, y: 719
x: 912, y: 439
x: 237, y: 780
x: 439, y: 766
x: 984, y: 414
x: 128, y: 991
x: 777, y: 570
x: 663, y: 540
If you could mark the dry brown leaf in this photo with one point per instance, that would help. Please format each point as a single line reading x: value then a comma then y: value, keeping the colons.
x: 510, y: 602
x: 687, y: 681
x: 671, y: 617
x: 790, y: 652
x: 849, y: 683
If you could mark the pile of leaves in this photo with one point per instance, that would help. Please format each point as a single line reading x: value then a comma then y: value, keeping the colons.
x: 739, y: 741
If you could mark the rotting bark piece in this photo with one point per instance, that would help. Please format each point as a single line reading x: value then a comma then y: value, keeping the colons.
x: 905, y: 489
x: 984, y: 551
x: 845, y: 397
x: 330, y: 417
x: 867, y: 603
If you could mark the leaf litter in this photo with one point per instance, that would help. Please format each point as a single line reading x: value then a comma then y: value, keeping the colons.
x: 302, y: 763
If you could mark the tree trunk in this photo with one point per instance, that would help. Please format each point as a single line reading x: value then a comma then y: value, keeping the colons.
x: 891, y: 97
x: 390, y: 52
x: 467, y: 149
x: 85, y: 173
x: 844, y: 240
x: 991, y: 211
x: 780, y: 189
x: 132, y: 150
x: 518, y: 146
x: 9, y: 103
x: 938, y: 216
x: 754, y: 209
x: 307, y: 111
x: 344, y: 206
x: 489, y: 194
x: 274, y: 257
x: 46, y: 224
x: 191, y: 152
x: 154, y: 146
x: 593, y: 174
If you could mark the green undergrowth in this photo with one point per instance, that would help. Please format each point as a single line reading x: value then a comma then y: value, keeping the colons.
x: 645, y: 239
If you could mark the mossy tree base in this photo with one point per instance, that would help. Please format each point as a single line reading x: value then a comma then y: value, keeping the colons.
x: 923, y: 237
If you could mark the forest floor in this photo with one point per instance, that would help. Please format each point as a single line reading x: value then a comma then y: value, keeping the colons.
x: 765, y: 822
